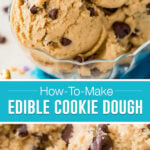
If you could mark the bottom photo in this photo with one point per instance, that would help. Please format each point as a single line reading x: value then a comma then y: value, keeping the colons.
x: 75, y: 137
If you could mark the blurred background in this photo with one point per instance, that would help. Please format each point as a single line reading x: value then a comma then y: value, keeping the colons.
x: 11, y: 56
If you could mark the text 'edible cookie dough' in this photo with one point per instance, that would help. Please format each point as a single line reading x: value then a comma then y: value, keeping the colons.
x: 75, y: 137
x: 81, y: 30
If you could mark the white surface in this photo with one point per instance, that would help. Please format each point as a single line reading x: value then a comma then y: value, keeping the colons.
x: 10, y: 53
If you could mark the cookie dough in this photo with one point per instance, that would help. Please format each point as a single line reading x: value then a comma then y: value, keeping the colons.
x: 80, y: 30
x: 75, y: 137
x: 62, y: 29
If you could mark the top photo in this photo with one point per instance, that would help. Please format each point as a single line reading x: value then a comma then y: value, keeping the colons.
x: 75, y: 39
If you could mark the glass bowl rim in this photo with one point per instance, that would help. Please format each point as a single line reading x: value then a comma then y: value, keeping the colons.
x: 96, y: 60
x: 126, y: 55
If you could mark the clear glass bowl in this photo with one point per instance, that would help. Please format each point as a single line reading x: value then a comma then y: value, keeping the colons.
x: 94, y: 69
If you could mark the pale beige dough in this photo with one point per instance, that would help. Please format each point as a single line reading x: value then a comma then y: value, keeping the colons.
x: 130, y: 137
x: 122, y: 136
x: 73, y: 22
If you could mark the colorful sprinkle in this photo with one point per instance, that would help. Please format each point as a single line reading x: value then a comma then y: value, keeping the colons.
x: 26, y: 68
x: 13, y: 69
x: 21, y: 71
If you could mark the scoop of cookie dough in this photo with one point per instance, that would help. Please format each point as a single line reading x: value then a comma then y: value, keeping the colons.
x: 62, y: 29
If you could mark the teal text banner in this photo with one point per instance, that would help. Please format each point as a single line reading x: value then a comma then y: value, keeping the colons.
x: 74, y: 101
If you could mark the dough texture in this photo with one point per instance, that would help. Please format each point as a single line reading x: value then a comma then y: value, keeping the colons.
x: 75, y: 137
x: 80, y: 30
x: 76, y: 30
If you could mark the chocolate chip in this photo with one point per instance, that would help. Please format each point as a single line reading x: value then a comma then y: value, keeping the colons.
x: 37, y: 148
x: 148, y: 8
x: 95, y: 72
x: 45, y: 5
x: 101, y: 142
x: 53, y: 14
x: 67, y: 133
x: 103, y: 127
x: 130, y: 46
x: 22, y: 131
x: 148, y: 126
x: 78, y: 59
x: 14, y: 131
x: 109, y: 11
x: 121, y: 29
x: 92, y: 11
x: 2, y: 40
x: 34, y: 9
x: 41, y: 137
x: 5, y: 9
x: 44, y: 137
x: 135, y: 32
x: 89, y: 1
x: 65, y: 42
